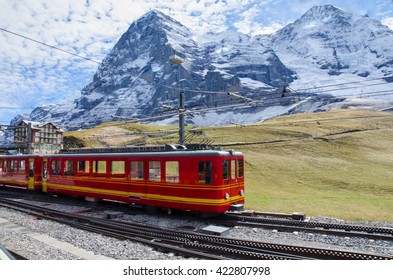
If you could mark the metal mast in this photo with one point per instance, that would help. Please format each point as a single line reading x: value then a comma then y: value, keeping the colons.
x: 177, y: 60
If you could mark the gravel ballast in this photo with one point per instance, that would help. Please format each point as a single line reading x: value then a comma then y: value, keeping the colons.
x: 95, y: 246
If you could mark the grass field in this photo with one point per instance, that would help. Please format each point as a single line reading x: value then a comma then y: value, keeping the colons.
x: 336, y: 163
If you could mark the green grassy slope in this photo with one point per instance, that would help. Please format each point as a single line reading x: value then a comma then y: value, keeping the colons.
x: 336, y: 163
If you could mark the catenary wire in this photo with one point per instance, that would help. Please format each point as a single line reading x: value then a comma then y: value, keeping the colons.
x: 361, y: 83
x: 196, y: 91
x: 49, y: 46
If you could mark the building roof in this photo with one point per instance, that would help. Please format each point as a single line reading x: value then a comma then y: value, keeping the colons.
x: 38, y: 125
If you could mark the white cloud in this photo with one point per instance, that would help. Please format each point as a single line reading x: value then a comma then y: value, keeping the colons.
x: 388, y: 22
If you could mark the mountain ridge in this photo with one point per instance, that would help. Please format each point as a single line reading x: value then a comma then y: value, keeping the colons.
x: 137, y: 76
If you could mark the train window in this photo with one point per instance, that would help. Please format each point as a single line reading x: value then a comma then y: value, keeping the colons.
x: 118, y: 168
x: 83, y: 167
x: 31, y: 169
x: 99, y: 167
x: 45, y: 169
x: 69, y: 168
x: 233, y: 169
x: 172, y: 171
x: 136, y: 170
x: 240, y: 169
x: 155, y: 171
x: 55, y: 167
x: 225, y: 169
x: 17, y: 166
x: 8, y: 165
x: 205, y: 172
x: 13, y: 167
x: 22, y: 166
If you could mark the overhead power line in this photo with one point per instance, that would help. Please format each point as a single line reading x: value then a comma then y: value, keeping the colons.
x: 47, y: 45
x: 358, y: 84
x: 353, y: 87
x: 199, y: 91
x: 346, y: 83
x: 222, y: 103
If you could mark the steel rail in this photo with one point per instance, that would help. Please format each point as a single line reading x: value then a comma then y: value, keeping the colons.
x: 224, y: 247
x: 299, y: 251
x: 83, y: 224
x: 382, y: 233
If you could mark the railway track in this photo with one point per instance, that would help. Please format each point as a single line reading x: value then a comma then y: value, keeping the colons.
x: 290, y: 225
x: 189, y: 243
x: 275, y: 221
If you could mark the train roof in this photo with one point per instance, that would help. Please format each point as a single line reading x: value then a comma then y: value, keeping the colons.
x: 172, y: 150
x: 183, y: 153
x: 20, y: 156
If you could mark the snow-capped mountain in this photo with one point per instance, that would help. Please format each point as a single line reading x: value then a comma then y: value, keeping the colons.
x: 329, y: 44
x: 330, y: 39
x: 284, y: 72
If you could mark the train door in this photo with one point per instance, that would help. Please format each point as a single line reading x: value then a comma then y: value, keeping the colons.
x: 229, y: 173
x: 226, y: 171
x: 31, y: 177
x: 45, y: 175
x: 234, y: 176
x: 137, y: 181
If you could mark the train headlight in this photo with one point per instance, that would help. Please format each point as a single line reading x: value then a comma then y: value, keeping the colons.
x: 241, y: 192
x: 227, y: 196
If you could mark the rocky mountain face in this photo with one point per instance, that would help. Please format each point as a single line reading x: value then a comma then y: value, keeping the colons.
x: 138, y: 76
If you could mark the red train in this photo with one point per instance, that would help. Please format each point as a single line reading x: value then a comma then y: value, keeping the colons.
x: 204, y: 181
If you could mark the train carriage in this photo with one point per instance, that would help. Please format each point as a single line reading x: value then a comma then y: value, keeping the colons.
x: 22, y: 171
x: 204, y: 181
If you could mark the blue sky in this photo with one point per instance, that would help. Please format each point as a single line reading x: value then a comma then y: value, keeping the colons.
x: 32, y: 75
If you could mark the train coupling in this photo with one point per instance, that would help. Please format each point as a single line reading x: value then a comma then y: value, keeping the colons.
x: 237, y: 207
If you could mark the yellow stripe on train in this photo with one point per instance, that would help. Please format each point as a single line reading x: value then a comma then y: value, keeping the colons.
x: 156, y: 197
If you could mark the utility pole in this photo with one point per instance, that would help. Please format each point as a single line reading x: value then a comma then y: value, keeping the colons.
x: 29, y: 138
x: 177, y: 60
x: 181, y: 117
